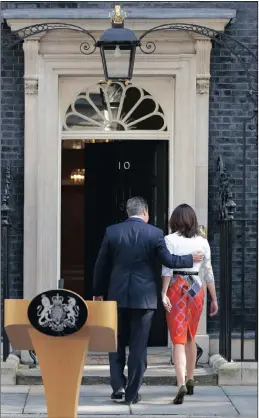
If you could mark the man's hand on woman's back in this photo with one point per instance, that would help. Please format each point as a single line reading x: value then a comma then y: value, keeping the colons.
x: 197, y: 257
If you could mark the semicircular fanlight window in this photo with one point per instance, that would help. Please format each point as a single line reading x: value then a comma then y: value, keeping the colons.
x: 114, y: 107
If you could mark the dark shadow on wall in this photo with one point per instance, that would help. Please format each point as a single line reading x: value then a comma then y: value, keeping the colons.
x: 12, y: 150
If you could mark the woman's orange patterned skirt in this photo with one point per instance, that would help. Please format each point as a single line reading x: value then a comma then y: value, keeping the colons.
x: 187, y: 298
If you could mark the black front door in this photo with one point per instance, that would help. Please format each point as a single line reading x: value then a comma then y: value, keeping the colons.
x: 114, y: 172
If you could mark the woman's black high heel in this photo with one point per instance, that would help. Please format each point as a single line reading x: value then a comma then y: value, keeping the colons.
x: 178, y: 400
x: 190, y: 387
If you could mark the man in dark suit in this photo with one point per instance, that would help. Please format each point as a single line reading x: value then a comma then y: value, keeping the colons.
x: 126, y: 265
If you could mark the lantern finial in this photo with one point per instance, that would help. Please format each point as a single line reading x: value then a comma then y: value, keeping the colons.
x: 117, y: 16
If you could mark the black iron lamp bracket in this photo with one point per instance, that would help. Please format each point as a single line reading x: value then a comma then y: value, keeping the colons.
x: 85, y: 47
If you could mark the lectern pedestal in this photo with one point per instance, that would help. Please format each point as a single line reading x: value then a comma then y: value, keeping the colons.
x: 61, y: 358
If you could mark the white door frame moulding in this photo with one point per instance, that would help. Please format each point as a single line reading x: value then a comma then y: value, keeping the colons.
x: 182, y: 148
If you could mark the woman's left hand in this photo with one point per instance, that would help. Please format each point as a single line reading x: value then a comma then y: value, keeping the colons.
x: 213, y: 308
x: 166, y: 302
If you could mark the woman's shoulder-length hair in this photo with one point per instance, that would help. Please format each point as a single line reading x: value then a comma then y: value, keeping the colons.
x: 184, y: 222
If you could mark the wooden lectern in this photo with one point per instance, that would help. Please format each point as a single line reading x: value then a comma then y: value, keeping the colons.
x: 62, y: 358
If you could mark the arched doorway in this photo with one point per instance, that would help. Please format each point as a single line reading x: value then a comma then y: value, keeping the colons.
x: 99, y: 175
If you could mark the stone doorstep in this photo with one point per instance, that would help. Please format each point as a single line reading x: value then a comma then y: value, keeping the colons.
x: 156, y: 355
x: 234, y: 373
x: 159, y: 372
x: 99, y: 374
x: 219, y: 372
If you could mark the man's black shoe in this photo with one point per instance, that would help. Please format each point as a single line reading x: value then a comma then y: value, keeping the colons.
x: 135, y: 400
x: 118, y: 395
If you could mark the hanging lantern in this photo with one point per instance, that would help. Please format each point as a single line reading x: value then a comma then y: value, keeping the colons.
x: 118, y: 49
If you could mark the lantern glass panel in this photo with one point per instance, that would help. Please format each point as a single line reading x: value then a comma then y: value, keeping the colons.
x: 117, y: 63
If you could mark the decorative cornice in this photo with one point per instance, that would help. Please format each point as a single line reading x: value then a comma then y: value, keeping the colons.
x: 138, y: 24
x: 132, y: 13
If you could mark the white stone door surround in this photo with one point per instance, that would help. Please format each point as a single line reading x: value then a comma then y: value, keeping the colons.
x: 181, y: 58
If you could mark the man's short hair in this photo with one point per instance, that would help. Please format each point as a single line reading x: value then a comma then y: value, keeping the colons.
x: 136, y: 206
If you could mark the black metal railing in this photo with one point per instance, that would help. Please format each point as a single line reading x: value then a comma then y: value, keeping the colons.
x: 225, y: 288
x: 238, y: 286
x: 238, y: 276
x: 5, y: 226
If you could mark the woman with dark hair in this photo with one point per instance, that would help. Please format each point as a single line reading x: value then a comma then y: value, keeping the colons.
x: 183, y: 295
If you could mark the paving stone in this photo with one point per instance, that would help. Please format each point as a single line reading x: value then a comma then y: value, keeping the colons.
x: 96, y: 390
x: 36, y: 399
x: 207, y: 402
x: 167, y: 393
x: 245, y: 405
x: 189, y: 408
x: 35, y: 404
x: 98, y: 416
x: 12, y: 403
x: 124, y: 416
x: 87, y: 405
x: 240, y: 390
x: 152, y: 391
x: 105, y: 406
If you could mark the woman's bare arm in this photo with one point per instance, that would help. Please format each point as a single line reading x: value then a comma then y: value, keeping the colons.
x: 165, y: 298
x: 166, y: 281
x: 210, y: 282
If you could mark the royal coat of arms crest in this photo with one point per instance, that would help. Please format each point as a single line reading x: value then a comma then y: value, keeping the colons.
x: 59, y: 312
x: 56, y: 314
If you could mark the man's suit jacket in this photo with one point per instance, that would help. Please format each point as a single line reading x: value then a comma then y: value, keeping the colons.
x: 126, y: 264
